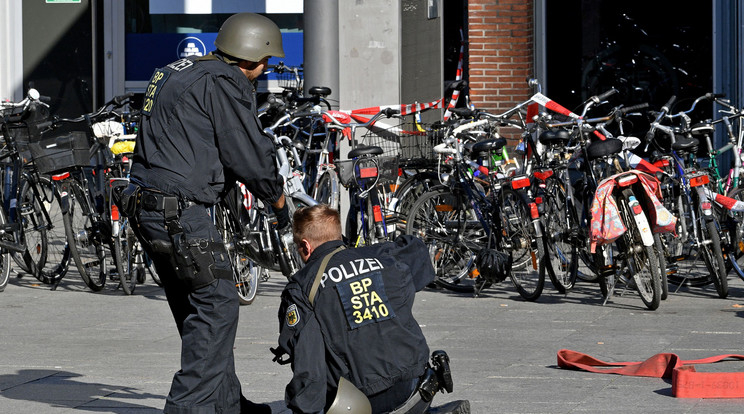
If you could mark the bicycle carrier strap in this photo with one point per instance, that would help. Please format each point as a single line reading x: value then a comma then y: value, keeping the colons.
x: 686, y: 382
x: 321, y: 269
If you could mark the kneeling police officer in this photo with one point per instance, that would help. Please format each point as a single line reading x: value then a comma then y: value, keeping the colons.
x: 347, y: 327
x: 200, y: 133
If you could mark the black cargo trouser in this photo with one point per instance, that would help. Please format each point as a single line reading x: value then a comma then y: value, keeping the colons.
x: 206, y: 318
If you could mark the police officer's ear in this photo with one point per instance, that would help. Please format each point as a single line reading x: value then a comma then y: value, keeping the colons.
x: 305, y: 249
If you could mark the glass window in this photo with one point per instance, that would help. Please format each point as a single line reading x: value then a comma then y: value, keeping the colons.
x: 648, y: 50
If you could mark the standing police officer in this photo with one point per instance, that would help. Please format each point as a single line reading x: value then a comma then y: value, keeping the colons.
x: 199, y: 134
x: 346, y: 319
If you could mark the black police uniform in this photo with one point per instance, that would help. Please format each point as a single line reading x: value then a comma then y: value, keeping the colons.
x: 199, y: 133
x: 361, y: 326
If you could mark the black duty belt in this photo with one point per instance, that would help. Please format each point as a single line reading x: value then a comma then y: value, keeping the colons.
x: 156, y: 201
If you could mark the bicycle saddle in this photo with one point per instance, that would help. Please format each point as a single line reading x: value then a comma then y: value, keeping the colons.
x: 365, y: 150
x: 702, y: 129
x: 320, y: 90
x: 685, y: 144
x: 599, y: 149
x: 463, y: 112
x: 488, y: 145
x: 555, y: 137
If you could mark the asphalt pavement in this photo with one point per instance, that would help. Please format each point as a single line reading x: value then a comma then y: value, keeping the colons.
x: 73, y: 350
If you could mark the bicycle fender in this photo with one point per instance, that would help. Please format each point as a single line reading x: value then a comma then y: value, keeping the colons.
x: 303, y: 198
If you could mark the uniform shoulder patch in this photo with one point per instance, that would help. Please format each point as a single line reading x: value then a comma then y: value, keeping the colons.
x: 153, y: 90
x: 181, y: 64
x: 293, y: 316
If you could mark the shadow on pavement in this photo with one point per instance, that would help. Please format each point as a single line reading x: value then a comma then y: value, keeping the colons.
x: 60, y: 389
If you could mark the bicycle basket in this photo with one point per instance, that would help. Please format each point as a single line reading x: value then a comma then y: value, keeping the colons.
x: 290, y: 80
x: 27, y: 126
x: 412, y: 143
x: 57, y: 154
x: 366, y: 170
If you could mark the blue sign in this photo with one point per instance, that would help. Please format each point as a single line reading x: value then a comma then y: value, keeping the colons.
x: 147, y: 51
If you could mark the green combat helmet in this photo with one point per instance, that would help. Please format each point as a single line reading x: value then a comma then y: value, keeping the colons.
x: 250, y: 36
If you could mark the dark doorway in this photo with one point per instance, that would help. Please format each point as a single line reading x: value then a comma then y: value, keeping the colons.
x: 648, y: 50
x: 58, y: 55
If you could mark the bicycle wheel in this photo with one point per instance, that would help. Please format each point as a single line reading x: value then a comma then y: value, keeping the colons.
x: 735, y: 220
x: 641, y: 261
x: 4, y: 256
x: 84, y: 239
x: 245, y: 271
x: 44, y: 238
x: 150, y: 268
x: 452, y: 235
x: 30, y: 233
x: 678, y: 248
x: 326, y: 190
x: 662, y: 256
x: 294, y: 258
x: 713, y: 255
x: 124, y: 246
x: 405, y: 197
x: 527, y: 248
x: 360, y: 225
x: 606, y: 276
x: 560, y: 233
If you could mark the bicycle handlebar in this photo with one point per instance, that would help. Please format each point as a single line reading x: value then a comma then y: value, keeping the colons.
x: 388, y: 112
x: 633, y: 108
x: 601, y: 97
x: 115, y: 103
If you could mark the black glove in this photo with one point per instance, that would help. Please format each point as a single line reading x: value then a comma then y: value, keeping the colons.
x: 493, y: 265
x: 282, y: 217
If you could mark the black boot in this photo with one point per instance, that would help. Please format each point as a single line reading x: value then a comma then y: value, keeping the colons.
x: 248, y: 407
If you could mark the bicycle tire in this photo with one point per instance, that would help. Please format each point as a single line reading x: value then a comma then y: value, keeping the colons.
x: 45, y: 242
x: 677, y: 250
x: 124, y: 249
x: 326, y: 190
x: 605, y: 276
x: 246, y: 282
x: 451, y: 233
x: 527, y: 248
x: 360, y: 233
x: 661, y: 255
x: 640, y: 260
x: 30, y: 234
x: 407, y: 193
x: 560, y: 230
x: 86, y: 247
x: 150, y: 267
x: 4, y: 257
x: 735, y: 252
x: 713, y: 256
x: 295, y: 259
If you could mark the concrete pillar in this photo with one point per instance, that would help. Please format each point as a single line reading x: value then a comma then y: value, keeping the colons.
x: 321, y: 46
x: 11, y: 50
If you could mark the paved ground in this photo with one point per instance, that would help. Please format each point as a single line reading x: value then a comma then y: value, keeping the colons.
x: 72, y: 350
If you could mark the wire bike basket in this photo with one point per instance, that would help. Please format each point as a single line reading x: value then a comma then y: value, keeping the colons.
x: 412, y: 143
x: 290, y: 80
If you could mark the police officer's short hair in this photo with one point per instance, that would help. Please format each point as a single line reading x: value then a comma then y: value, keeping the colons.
x: 316, y: 224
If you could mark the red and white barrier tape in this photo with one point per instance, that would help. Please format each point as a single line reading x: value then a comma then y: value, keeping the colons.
x: 458, y: 76
x: 727, y: 202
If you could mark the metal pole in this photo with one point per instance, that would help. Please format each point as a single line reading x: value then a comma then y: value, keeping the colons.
x: 321, y: 62
x: 320, y: 40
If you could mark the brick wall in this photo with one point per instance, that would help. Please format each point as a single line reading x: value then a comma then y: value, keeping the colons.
x: 500, y: 47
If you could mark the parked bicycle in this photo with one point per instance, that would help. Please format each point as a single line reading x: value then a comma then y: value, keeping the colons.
x: 31, y: 202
